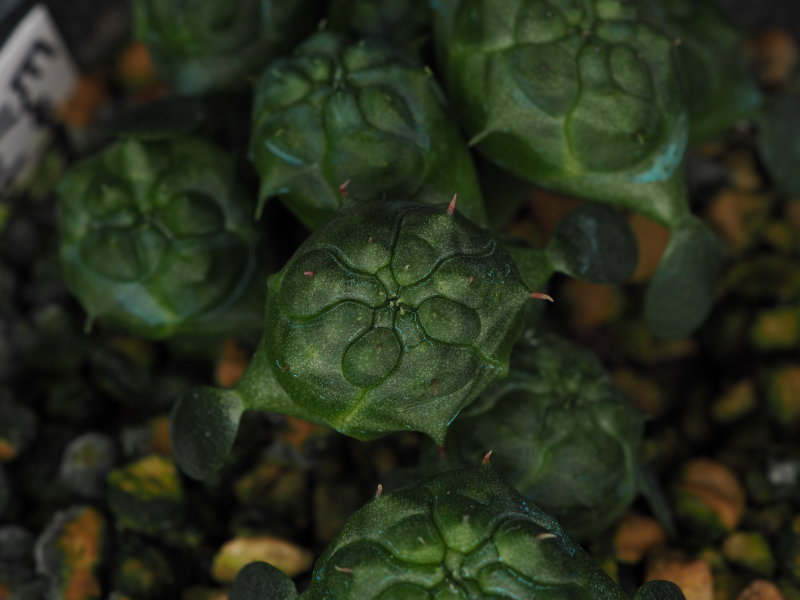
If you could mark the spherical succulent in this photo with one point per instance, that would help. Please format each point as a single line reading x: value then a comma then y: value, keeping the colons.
x: 158, y: 238
x: 393, y: 316
x: 462, y: 535
x: 580, y: 96
x: 719, y: 90
x: 204, y: 45
x: 560, y: 432
x: 361, y: 119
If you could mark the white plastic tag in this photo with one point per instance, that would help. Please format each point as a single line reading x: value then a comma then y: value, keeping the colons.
x: 36, y: 75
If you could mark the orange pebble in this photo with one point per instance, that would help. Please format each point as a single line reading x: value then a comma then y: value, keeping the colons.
x: 775, y: 54
x: 135, y: 68
x: 87, y: 96
x: 652, y: 239
x: 231, y: 366
x: 692, y: 576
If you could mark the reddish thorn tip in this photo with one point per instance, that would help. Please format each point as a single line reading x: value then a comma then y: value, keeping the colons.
x: 343, y: 189
x: 486, y: 458
x: 343, y: 569
x: 470, y: 279
x: 369, y: 240
x: 451, y: 208
x: 542, y: 296
x: 309, y: 274
x: 545, y: 536
x: 442, y: 452
x: 379, y: 490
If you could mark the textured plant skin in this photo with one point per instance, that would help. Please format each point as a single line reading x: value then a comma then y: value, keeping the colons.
x: 583, y: 97
x: 560, y: 432
x: 462, y: 535
x: 205, y: 45
x: 359, y: 119
x: 719, y: 90
x: 158, y: 238
x: 393, y: 316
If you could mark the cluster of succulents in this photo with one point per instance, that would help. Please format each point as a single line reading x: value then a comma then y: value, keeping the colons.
x: 309, y: 210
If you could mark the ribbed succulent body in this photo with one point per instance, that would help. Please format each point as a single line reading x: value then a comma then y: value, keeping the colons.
x: 205, y: 45
x: 158, y: 238
x: 560, y: 432
x: 462, y: 535
x: 393, y: 316
x: 580, y: 96
x: 361, y: 114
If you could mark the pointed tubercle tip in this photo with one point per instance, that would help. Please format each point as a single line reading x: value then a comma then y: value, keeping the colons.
x: 487, y: 458
x: 542, y: 296
x: 379, y: 490
x: 442, y: 452
x: 343, y: 569
x: 546, y: 536
x: 309, y: 274
x: 451, y: 208
x: 343, y: 189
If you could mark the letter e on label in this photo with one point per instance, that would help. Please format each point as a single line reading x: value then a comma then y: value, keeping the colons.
x: 36, y: 75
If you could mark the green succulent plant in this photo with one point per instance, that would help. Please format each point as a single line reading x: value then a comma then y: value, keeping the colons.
x: 357, y: 118
x: 391, y: 317
x: 207, y: 45
x: 585, y: 98
x: 719, y: 89
x: 461, y: 535
x: 582, y: 97
x: 157, y: 237
x: 560, y: 432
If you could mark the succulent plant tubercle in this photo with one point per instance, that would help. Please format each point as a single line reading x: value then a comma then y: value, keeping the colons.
x: 158, y: 237
x: 582, y: 97
x: 461, y: 535
x: 364, y: 113
x: 393, y: 316
x: 560, y: 432
x: 205, y: 45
